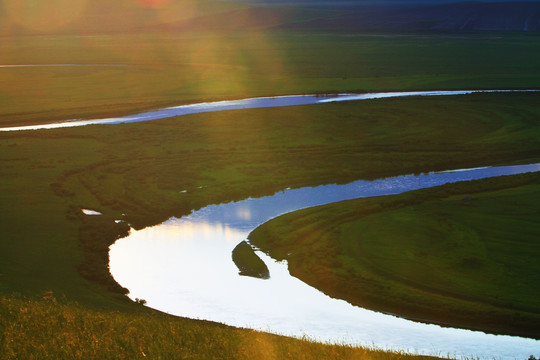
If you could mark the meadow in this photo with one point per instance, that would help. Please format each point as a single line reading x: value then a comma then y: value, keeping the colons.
x: 138, y: 169
x: 57, y: 293
x: 139, y: 72
x: 50, y: 328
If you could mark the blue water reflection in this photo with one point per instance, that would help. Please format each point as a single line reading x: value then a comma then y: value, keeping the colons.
x: 184, y: 267
x: 260, y: 210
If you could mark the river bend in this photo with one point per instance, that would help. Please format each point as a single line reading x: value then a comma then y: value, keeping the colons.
x: 184, y: 267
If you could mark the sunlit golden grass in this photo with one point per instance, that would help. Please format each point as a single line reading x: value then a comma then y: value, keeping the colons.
x: 50, y: 329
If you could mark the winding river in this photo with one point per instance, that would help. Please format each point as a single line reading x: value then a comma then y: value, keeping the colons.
x: 184, y: 266
x: 250, y: 103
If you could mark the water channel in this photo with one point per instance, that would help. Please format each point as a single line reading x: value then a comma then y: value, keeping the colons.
x: 184, y: 267
x: 250, y: 103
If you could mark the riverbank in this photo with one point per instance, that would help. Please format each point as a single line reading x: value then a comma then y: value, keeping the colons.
x: 157, y: 264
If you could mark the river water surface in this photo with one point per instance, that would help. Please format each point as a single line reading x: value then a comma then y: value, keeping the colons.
x: 184, y: 267
x: 250, y: 103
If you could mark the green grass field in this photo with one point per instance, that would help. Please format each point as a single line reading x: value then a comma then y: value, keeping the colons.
x: 140, y: 169
x: 54, y: 329
x: 148, y: 71
x: 50, y: 250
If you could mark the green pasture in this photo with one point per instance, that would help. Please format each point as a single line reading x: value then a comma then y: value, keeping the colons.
x: 143, y: 71
x: 53, y: 269
x: 54, y: 329
x: 142, y: 169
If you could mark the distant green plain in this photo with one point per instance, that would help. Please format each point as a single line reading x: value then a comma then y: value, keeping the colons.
x: 148, y: 71
x: 140, y: 169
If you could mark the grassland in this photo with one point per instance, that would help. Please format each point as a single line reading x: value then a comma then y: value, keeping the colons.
x: 49, y: 249
x: 148, y: 71
x: 56, y: 329
x: 460, y: 254
x: 141, y: 170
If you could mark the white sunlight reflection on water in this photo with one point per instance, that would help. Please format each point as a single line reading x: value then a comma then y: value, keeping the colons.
x: 250, y: 103
x: 184, y: 267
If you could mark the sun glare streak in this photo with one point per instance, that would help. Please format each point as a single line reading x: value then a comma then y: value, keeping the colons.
x: 171, y: 51
x: 247, y: 64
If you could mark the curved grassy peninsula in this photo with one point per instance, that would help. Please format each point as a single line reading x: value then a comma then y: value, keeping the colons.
x: 462, y: 254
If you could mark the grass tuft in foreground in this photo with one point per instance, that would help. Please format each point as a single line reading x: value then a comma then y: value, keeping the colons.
x: 48, y: 328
